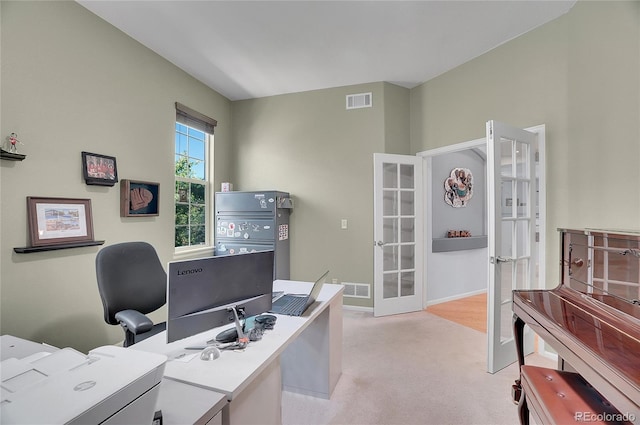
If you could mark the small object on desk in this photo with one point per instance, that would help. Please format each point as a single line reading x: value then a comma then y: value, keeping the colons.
x: 296, y: 305
x: 266, y: 321
x: 183, y: 357
x: 210, y: 353
x: 255, y: 334
x: 229, y: 335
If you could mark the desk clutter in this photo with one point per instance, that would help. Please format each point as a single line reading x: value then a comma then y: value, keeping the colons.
x: 236, y: 338
x: 253, y: 328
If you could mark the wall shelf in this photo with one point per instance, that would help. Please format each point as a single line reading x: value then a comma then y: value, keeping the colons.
x: 11, y: 156
x: 458, y: 244
x: 30, y: 249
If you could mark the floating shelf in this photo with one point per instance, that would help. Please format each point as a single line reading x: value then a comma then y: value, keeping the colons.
x: 30, y: 249
x: 11, y: 156
x: 458, y: 244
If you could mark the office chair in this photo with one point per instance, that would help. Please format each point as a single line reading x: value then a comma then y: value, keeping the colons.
x: 132, y: 283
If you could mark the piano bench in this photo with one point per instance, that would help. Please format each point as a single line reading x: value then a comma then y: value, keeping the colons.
x: 558, y: 397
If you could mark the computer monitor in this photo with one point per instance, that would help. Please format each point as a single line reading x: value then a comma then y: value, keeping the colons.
x: 201, y: 292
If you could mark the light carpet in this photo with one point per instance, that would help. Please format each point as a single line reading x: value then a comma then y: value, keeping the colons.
x: 413, y: 368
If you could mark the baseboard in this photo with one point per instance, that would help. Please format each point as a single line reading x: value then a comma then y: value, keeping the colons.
x: 456, y: 297
x: 357, y: 308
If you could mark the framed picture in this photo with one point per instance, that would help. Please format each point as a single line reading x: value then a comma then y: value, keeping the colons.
x: 55, y: 221
x: 139, y: 199
x: 99, y: 169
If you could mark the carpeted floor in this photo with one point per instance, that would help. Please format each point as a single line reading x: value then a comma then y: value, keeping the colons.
x: 414, y: 368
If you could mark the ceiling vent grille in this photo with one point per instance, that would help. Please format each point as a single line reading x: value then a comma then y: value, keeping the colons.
x: 360, y: 100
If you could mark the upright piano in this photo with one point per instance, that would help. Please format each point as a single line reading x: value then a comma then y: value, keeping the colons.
x: 592, y: 320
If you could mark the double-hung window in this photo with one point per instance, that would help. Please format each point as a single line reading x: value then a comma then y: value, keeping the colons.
x: 193, y: 178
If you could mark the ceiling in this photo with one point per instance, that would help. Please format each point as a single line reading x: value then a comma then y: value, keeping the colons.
x: 251, y: 49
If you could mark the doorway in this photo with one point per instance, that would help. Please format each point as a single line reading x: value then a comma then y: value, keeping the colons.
x: 456, y: 276
x: 455, y: 268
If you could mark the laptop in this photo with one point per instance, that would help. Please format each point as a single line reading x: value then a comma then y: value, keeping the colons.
x: 296, y: 305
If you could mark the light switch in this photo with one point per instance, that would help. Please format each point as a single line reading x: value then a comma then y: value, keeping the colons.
x: 343, y: 223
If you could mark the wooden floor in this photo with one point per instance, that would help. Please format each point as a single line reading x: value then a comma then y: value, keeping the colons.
x: 469, y: 311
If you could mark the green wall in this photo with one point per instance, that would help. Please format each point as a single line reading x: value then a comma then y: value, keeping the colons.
x: 71, y: 83
x: 580, y: 76
x: 310, y: 145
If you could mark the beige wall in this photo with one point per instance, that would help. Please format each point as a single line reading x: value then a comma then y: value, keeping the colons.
x: 579, y: 75
x: 72, y: 83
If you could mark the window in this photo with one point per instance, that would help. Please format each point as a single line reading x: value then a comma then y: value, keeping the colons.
x: 193, y: 171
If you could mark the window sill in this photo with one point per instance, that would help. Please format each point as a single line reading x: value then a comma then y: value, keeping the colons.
x: 200, y: 251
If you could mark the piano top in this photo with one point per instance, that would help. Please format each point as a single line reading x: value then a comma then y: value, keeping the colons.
x: 607, y: 326
x: 592, y: 318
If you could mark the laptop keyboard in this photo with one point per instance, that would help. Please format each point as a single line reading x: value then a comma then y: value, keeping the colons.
x: 294, y: 305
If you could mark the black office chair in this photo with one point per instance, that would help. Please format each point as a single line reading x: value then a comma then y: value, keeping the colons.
x: 132, y: 283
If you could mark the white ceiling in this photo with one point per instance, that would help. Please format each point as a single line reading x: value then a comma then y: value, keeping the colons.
x: 250, y: 49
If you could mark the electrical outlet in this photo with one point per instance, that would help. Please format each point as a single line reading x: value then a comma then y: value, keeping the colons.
x: 343, y: 223
x: 334, y: 280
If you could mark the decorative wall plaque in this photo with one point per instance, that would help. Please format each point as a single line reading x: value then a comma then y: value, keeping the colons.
x: 458, y: 187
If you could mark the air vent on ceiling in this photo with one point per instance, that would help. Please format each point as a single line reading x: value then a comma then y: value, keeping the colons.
x: 360, y: 100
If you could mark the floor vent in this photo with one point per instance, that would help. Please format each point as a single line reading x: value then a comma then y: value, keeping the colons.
x: 360, y: 100
x: 356, y: 290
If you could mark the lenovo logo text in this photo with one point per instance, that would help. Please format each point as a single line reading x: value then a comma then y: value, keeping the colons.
x: 190, y: 271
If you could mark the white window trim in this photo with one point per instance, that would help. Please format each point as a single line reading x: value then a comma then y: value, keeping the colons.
x: 181, y: 252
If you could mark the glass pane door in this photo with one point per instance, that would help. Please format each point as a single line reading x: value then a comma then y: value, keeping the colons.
x: 398, y: 201
x: 511, y: 232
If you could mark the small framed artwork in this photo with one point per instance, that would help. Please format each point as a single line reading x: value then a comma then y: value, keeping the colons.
x: 55, y: 221
x: 139, y: 199
x: 99, y: 169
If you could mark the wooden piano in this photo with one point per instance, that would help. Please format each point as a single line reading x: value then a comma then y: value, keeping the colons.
x: 592, y: 320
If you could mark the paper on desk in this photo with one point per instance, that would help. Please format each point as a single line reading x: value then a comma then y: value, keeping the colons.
x: 183, y: 356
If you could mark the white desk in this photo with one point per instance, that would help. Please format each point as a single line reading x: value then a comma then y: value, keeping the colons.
x: 183, y: 404
x: 302, y: 354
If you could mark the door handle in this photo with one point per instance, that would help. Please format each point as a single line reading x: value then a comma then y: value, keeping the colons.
x: 504, y: 259
x: 499, y: 259
x: 378, y: 243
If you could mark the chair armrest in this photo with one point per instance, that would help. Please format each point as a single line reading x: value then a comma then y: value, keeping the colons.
x: 134, y: 321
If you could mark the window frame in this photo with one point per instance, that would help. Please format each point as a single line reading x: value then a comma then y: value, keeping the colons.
x: 192, y: 119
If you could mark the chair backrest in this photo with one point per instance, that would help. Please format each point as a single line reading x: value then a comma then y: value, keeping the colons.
x: 130, y: 276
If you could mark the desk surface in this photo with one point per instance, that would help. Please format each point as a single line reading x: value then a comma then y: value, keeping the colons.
x: 185, y: 404
x: 234, y: 370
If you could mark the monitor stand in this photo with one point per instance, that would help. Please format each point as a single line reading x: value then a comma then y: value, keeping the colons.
x: 234, y: 334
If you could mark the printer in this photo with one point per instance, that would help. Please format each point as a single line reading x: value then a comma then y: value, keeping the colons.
x: 110, y: 385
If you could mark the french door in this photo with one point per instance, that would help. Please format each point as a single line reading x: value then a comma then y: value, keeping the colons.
x: 511, y: 234
x: 398, y: 235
